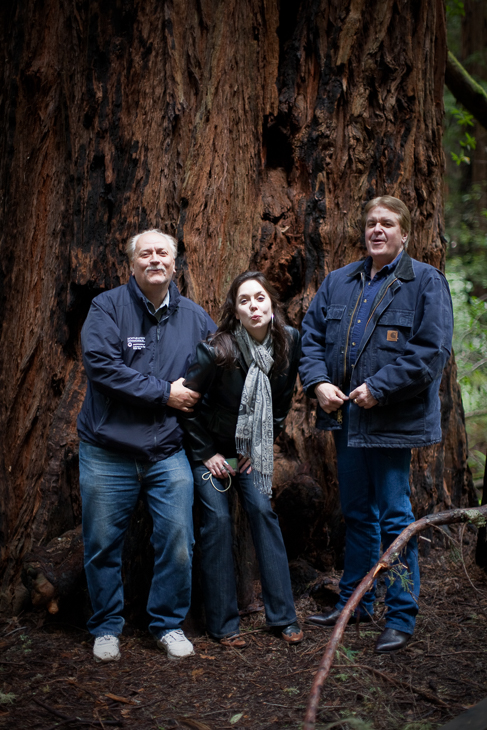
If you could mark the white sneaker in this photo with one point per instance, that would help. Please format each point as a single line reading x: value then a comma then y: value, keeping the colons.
x: 106, y: 648
x: 176, y: 644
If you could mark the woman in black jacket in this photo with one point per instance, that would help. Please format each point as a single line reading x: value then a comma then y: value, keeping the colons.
x: 246, y: 373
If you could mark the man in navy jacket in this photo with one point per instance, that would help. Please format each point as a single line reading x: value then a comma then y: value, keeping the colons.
x: 375, y: 341
x: 137, y: 342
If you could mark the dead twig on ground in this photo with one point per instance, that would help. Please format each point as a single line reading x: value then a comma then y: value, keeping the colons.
x: 79, y: 720
x: 401, y: 683
x: 477, y: 516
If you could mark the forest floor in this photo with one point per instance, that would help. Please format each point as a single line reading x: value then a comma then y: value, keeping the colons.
x: 49, y: 680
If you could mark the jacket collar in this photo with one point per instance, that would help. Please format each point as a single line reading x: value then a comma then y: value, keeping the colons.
x: 174, y: 295
x: 404, y: 269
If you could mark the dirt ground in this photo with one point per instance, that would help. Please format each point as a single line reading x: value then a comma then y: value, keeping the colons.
x: 49, y: 680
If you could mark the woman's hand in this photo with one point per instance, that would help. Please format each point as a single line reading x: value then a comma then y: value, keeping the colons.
x: 218, y: 466
x: 244, y: 464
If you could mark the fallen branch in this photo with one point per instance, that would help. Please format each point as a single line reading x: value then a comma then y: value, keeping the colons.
x: 476, y: 516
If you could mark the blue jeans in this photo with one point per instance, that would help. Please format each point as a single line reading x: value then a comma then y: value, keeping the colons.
x: 110, y: 486
x: 375, y: 499
x: 216, y: 539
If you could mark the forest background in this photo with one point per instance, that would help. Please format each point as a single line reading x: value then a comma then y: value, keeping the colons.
x: 465, y: 144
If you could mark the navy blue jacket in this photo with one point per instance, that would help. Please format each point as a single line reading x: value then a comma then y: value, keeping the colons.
x: 401, y: 357
x: 131, y: 360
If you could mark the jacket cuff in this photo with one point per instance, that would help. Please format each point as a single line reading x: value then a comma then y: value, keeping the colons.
x: 310, y: 389
x: 377, y: 394
x: 167, y: 391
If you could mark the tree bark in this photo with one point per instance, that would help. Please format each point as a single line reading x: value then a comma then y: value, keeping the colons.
x: 254, y: 132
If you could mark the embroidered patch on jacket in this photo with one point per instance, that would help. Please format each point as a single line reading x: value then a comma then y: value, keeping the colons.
x: 136, y: 343
x: 392, y: 335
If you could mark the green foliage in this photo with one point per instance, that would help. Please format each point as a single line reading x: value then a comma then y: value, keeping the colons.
x: 291, y: 690
x: 476, y: 460
x: 470, y: 346
x: 455, y: 554
x: 476, y: 518
x: 346, y: 653
x: 470, y: 336
x: 454, y: 9
x: 398, y: 571
x: 7, y: 698
x: 26, y: 643
x: 457, y: 119
x: 466, y: 235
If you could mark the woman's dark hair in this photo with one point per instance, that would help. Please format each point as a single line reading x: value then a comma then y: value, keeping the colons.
x: 226, y: 348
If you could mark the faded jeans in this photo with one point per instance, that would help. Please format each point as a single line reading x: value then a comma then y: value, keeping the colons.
x: 110, y: 486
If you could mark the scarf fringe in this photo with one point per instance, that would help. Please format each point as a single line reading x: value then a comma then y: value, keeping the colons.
x: 262, y: 482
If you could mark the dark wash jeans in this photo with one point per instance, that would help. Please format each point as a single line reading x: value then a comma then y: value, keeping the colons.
x: 376, y: 505
x: 216, y: 539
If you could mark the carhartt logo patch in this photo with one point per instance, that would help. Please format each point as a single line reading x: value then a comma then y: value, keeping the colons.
x: 136, y: 343
x: 392, y: 335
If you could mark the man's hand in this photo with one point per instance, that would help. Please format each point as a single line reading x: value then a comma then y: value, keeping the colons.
x: 181, y: 397
x: 330, y: 397
x: 362, y: 397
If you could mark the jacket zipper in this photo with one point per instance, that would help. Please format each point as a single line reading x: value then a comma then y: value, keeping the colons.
x: 379, y: 302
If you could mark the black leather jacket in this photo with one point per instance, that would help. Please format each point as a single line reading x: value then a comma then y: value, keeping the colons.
x: 210, y: 429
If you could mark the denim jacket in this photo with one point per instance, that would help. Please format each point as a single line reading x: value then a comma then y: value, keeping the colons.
x: 401, y: 357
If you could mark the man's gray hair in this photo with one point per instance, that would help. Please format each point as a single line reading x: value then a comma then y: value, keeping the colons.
x: 169, y: 240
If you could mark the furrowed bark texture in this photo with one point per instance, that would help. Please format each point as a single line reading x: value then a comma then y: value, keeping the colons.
x: 253, y: 131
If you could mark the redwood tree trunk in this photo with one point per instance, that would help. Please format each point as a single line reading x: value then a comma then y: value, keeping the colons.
x: 253, y: 131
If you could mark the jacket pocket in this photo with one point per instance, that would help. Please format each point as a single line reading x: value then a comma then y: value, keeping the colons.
x: 393, y: 330
x: 333, y: 323
x: 406, y: 418
x: 104, y: 412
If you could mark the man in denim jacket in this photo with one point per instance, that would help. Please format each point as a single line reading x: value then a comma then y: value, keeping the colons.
x: 375, y: 341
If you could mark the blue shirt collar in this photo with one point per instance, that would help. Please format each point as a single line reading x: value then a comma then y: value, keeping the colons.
x: 386, y: 270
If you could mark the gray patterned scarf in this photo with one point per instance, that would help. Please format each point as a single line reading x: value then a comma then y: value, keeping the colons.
x: 254, y: 436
